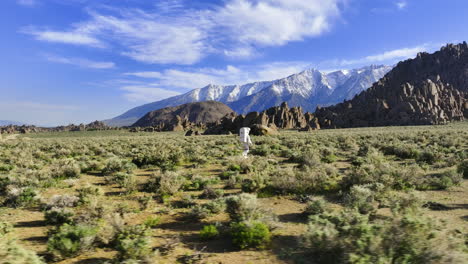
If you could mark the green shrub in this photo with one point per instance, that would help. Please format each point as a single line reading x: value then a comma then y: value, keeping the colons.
x: 330, y: 158
x: 65, y: 169
x: 362, y: 198
x: 58, y: 216
x: 71, y: 240
x: 152, y: 222
x: 211, y: 193
x: 125, y: 180
x: 12, y: 253
x: 87, y: 192
x: 350, y: 237
x: 132, y: 243
x: 316, y: 206
x: 463, y: 168
x: 209, y: 232
x: 167, y: 183
x: 250, y: 234
x: 429, y: 157
x: 243, y: 207
x: 5, y: 228
x: 114, y: 165
x: 21, y: 197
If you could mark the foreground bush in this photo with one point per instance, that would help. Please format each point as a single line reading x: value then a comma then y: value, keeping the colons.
x: 71, y: 240
x: 350, y: 237
x: 209, y: 232
x: 243, y: 207
x: 132, y: 243
x: 65, y: 169
x: 463, y: 168
x: 250, y: 234
x: 12, y: 253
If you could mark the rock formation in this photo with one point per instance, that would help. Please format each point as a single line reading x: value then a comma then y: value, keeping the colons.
x: 271, y: 119
x: 25, y: 129
x: 430, y: 89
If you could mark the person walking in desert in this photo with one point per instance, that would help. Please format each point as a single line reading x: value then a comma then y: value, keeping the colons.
x: 245, y: 139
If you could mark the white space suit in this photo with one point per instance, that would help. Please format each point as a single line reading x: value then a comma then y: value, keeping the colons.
x: 245, y: 139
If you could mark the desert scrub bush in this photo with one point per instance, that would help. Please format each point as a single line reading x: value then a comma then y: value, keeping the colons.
x: 350, y: 237
x: 308, y: 158
x: 62, y: 201
x: 71, y: 240
x: 203, y: 211
x: 152, y: 222
x: 132, y: 243
x: 245, y: 207
x: 21, y: 197
x: 362, y: 198
x: 321, y: 179
x: 115, y: 164
x: 86, y: 193
x: 5, y: 228
x: 125, y: 181
x: 12, y: 253
x: 65, y: 169
x: 250, y: 234
x: 440, y: 181
x: 166, y: 183
x: 428, y: 156
x: 463, y: 168
x: 167, y: 158
x: 316, y: 206
x: 254, y: 182
x: 209, y: 232
x: 59, y: 216
x: 211, y: 193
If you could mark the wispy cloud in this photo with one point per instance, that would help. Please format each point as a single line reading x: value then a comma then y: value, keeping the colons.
x: 28, y: 3
x: 80, y: 62
x: 172, y: 34
x: 401, y: 4
x: 74, y: 37
x: 390, y: 56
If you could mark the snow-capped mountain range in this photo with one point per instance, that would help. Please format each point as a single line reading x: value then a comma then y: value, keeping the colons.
x: 309, y: 89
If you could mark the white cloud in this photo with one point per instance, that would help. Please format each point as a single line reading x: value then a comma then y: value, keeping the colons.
x: 28, y: 3
x: 80, y: 62
x: 141, y: 93
x: 401, y: 4
x: 71, y: 37
x: 173, y: 34
x: 391, y: 55
x: 277, y: 22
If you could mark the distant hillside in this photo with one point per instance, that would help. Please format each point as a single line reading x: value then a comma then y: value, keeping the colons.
x: 430, y: 89
x: 170, y: 118
x: 307, y: 89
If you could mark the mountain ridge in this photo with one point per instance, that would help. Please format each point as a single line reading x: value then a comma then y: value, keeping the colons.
x: 308, y: 89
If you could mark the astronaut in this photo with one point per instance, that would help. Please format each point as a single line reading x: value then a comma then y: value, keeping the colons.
x: 245, y: 140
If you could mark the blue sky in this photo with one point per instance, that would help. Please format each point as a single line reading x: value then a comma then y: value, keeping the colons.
x: 72, y: 61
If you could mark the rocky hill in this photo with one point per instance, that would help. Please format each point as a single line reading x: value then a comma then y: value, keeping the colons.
x: 24, y: 129
x: 184, y: 116
x: 429, y: 89
x: 281, y: 116
x: 308, y: 89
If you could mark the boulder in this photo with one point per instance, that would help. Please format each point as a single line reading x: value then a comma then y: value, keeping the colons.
x: 262, y: 130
